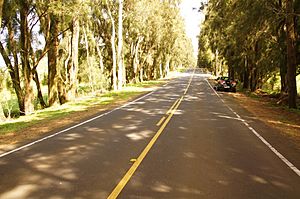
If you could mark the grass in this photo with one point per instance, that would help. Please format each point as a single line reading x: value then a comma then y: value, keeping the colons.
x: 80, y: 104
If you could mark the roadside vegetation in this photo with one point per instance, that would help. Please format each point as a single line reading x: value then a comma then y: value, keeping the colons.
x: 85, y: 106
x: 256, y: 43
x: 57, y: 52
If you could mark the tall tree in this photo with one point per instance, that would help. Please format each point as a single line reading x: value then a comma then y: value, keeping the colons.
x: 52, y: 60
x: 255, y: 39
x: 113, y: 46
x: 120, y: 46
x: 291, y: 53
x: 26, y: 68
x: 73, y: 67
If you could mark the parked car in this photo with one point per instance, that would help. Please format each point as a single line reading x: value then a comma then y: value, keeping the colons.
x: 225, y: 84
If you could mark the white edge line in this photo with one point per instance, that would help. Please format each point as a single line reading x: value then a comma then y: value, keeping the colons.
x: 72, y: 127
x: 277, y: 153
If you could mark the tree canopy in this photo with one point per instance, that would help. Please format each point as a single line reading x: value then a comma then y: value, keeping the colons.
x: 251, y: 40
x: 90, y: 45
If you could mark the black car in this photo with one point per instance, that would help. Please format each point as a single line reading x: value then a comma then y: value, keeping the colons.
x: 225, y: 84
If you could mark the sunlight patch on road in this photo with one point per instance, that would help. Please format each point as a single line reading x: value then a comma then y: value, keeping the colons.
x: 190, y: 155
x: 117, y: 126
x: 192, y: 98
x: 92, y: 129
x: 258, y: 179
x: 145, y: 111
x: 72, y: 136
x: 189, y: 190
x: 279, y: 184
x: 140, y: 136
x: 130, y: 128
x: 223, y: 182
x: 21, y: 191
x: 237, y: 170
x: 183, y: 128
x: 161, y: 187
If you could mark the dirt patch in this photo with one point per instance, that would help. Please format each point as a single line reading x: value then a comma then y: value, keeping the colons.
x: 275, y: 116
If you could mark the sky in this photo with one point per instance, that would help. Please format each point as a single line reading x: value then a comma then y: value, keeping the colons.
x: 192, y: 19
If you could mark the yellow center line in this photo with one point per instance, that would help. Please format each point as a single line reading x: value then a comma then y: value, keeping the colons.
x: 191, y: 79
x: 117, y: 190
x: 169, y: 111
x: 161, y: 121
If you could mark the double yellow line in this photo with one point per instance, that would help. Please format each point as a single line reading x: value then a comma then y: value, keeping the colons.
x: 136, y: 162
x: 168, y: 113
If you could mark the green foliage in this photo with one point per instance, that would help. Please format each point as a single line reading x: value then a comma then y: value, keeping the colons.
x: 204, y: 54
x: 154, y: 37
x: 2, y: 80
x: 247, y: 38
x: 9, y: 104
x: 81, y: 104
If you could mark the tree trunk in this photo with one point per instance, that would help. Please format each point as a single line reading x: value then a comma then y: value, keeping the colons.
x: 135, y: 52
x: 142, y: 74
x: 39, y: 90
x: 283, y: 75
x: 25, y: 47
x: 74, y: 60
x: 13, y: 69
x: 89, y: 65
x: 231, y: 72
x: 14, y: 75
x: 167, y: 68
x: 254, y: 79
x: 52, y: 61
x: 100, y: 58
x: 113, y: 48
x: 63, y: 62
x: 120, y: 46
x: 160, y: 70
x: 124, y: 72
x: 281, y: 37
x: 291, y: 54
x: 246, y: 75
x: 62, y: 93
x: 217, y: 63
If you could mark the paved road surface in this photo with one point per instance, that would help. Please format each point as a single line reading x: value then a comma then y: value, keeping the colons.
x: 180, y: 141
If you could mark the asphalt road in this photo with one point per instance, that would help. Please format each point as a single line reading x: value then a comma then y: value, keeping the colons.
x: 181, y: 141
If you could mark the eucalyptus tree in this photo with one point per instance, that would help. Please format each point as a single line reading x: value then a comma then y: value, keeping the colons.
x: 69, y: 15
x: 120, y: 46
x: 21, y: 47
x: 9, y: 51
x: 141, y: 31
x: 154, y: 32
x: 250, y: 37
x: 99, y: 43
x: 49, y: 23
x: 291, y: 53
x: 109, y: 6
